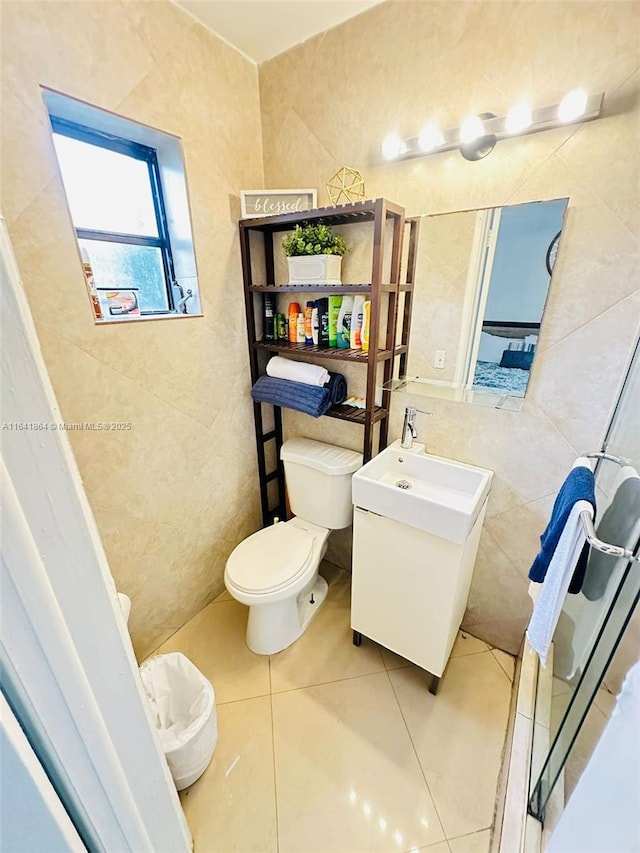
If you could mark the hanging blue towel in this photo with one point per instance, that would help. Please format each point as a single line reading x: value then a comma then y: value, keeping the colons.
x: 579, y: 486
x: 310, y: 399
x: 337, y: 387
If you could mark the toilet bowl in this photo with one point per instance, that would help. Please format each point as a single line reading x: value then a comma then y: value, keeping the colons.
x: 275, y: 571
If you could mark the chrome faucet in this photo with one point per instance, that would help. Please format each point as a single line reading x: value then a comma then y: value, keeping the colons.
x: 409, y: 433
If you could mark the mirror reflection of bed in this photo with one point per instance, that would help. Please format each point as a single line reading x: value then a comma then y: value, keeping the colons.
x: 505, y: 357
x: 482, y: 280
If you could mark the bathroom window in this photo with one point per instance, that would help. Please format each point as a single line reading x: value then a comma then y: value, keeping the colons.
x: 134, y: 238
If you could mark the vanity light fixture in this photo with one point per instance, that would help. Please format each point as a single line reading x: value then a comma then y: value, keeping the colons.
x: 430, y: 138
x: 393, y: 147
x: 477, y: 135
x: 572, y: 106
x: 518, y: 118
x: 471, y: 129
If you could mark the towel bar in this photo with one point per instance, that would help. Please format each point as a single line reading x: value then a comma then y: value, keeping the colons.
x: 599, y: 545
x: 600, y: 454
x: 587, y: 519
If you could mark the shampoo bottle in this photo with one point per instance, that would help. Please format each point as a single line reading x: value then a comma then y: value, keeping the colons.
x: 344, y: 322
x: 335, y: 303
x: 300, y: 328
x: 323, y: 321
x: 294, y: 310
x: 315, y: 325
x: 355, y: 337
x: 308, y: 323
x: 366, y: 320
x: 269, y: 316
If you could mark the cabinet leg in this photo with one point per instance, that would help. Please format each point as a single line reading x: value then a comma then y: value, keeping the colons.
x: 357, y: 638
x: 435, y: 684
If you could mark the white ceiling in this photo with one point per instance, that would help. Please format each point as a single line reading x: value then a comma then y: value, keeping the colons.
x: 264, y: 28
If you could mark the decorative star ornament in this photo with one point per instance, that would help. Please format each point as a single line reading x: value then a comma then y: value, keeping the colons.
x: 347, y: 185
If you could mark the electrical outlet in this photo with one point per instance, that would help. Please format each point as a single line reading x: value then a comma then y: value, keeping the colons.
x: 439, y: 360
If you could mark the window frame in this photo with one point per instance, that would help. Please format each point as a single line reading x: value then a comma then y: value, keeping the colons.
x: 149, y: 155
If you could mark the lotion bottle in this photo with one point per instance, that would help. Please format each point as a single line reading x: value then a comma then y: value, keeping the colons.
x: 366, y: 320
x: 355, y: 336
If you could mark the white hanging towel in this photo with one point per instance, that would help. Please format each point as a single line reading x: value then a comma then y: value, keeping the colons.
x: 297, y: 371
x: 550, y: 599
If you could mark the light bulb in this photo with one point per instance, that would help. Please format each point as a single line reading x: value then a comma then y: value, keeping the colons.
x: 518, y: 118
x: 471, y: 129
x: 572, y: 105
x: 393, y: 147
x: 430, y: 137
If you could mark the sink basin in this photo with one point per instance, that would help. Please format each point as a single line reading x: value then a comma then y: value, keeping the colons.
x: 432, y: 494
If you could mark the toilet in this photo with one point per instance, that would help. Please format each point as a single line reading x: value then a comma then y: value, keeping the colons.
x: 275, y: 571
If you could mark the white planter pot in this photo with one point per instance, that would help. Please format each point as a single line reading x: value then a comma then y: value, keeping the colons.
x: 315, y: 269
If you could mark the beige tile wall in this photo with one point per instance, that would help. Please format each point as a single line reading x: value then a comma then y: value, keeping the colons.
x: 173, y: 496
x: 330, y: 101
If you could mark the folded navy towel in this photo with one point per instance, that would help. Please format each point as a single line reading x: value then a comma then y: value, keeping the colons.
x: 310, y: 399
x: 337, y: 387
x: 579, y: 486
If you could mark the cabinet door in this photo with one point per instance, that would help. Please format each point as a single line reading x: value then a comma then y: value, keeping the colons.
x: 404, y: 589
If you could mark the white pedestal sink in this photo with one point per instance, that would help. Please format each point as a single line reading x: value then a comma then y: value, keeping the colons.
x: 417, y: 525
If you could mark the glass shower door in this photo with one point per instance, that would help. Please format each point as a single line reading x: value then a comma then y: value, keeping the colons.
x: 592, y: 624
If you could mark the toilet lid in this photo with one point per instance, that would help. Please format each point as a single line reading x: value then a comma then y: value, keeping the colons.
x: 270, y: 558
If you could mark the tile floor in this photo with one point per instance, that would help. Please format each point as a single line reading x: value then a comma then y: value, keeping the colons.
x: 327, y: 747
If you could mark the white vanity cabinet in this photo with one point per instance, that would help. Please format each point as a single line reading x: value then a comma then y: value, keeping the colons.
x: 409, y: 585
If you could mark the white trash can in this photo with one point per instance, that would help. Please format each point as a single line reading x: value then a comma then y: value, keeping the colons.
x: 183, y: 705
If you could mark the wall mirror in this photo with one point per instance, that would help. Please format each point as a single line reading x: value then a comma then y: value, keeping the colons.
x: 482, y: 279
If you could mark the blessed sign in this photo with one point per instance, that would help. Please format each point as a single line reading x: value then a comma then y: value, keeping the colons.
x: 258, y: 203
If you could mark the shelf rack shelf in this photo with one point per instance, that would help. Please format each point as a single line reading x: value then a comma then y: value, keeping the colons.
x: 383, y: 349
x: 321, y: 352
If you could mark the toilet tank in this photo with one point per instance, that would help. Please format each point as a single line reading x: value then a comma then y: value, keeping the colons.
x: 318, y: 478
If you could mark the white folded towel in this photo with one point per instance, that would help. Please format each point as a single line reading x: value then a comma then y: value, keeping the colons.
x: 582, y: 461
x: 547, y: 607
x: 297, y: 371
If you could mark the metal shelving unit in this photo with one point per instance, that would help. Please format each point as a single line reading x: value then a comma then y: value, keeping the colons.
x: 382, y: 353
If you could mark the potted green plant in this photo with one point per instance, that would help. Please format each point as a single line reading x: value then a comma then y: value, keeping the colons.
x: 314, y: 254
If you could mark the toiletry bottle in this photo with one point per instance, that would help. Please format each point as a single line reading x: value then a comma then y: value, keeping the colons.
x: 280, y: 324
x: 294, y: 310
x: 269, y: 316
x: 366, y: 321
x: 355, y: 337
x: 344, y: 322
x: 315, y: 325
x: 335, y: 303
x: 308, y: 323
x: 300, y: 328
x: 323, y: 321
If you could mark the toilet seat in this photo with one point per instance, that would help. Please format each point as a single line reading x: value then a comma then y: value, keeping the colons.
x: 270, y: 559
